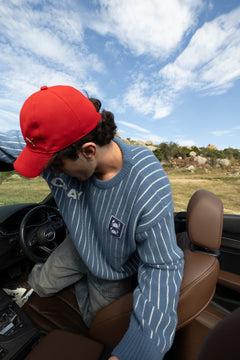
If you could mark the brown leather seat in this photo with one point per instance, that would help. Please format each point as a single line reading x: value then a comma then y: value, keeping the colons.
x: 62, y: 345
x: 60, y: 311
x: 204, y: 230
x: 201, y: 269
x: 221, y: 343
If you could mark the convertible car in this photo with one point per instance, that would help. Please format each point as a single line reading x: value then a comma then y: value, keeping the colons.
x: 49, y: 328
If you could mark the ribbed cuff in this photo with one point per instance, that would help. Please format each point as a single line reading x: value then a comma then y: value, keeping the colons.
x: 136, y: 346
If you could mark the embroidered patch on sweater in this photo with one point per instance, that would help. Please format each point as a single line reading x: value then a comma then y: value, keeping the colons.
x: 115, y: 227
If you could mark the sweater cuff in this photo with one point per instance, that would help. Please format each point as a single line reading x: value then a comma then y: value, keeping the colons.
x: 136, y: 346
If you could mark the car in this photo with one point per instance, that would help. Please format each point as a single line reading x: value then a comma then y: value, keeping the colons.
x: 29, y: 232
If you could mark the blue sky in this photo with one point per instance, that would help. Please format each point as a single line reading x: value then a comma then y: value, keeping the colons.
x: 168, y: 70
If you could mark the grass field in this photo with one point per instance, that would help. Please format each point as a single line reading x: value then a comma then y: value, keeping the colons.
x: 226, y: 187
x: 16, y: 189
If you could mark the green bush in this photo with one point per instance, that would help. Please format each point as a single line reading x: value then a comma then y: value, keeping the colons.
x: 167, y: 151
x: 158, y: 154
x: 211, y: 153
x: 196, y: 150
x: 185, y: 151
x: 231, y: 153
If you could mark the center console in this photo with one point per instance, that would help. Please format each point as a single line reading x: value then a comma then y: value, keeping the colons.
x: 17, y: 332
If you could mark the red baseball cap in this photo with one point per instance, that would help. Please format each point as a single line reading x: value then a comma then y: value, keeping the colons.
x: 52, y: 119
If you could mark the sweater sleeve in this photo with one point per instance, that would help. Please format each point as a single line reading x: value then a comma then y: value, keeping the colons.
x: 11, y: 145
x: 154, y: 318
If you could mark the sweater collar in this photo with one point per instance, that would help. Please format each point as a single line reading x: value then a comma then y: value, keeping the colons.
x: 124, y: 171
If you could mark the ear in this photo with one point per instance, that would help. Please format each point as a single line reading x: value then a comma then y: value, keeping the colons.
x: 88, y: 150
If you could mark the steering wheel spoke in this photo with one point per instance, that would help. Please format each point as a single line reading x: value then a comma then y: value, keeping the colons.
x: 44, y: 250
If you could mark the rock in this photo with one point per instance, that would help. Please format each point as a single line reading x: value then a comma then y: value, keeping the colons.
x: 191, y: 168
x: 200, y: 160
x: 224, y: 162
x: 212, y: 147
x: 148, y: 143
x: 140, y: 142
x: 152, y: 148
x: 192, y: 154
x: 126, y: 141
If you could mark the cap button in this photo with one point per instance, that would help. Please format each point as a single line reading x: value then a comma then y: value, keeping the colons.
x: 44, y: 87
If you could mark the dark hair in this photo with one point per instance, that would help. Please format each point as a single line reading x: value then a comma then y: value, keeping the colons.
x: 101, y: 135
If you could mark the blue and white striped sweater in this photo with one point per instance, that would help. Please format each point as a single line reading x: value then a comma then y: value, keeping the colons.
x: 122, y: 226
x: 11, y: 145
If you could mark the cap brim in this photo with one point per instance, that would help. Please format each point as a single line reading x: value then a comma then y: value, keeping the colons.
x: 31, y: 164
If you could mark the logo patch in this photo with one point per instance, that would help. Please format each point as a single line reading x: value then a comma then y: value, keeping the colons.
x: 115, y: 227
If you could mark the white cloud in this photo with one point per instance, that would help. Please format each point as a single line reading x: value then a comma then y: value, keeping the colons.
x: 115, y: 105
x: 155, y: 138
x: 147, y: 27
x: 143, y: 137
x: 140, y: 133
x: 138, y: 97
x: 211, y: 61
x: 51, y: 42
x: 147, y: 98
x: 8, y: 115
x: 42, y: 44
x: 8, y: 120
x: 151, y: 136
x: 221, y: 132
x: 133, y: 126
x: 59, y: 42
x: 162, y: 107
x: 210, y: 65
x: 63, y: 19
x: 183, y: 142
x: 25, y: 76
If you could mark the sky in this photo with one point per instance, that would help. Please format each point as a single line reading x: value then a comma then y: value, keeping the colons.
x: 169, y: 70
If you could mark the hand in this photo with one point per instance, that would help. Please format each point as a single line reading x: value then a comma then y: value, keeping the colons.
x: 113, y: 358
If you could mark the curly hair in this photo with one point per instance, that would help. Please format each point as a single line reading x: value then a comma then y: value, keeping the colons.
x: 101, y: 135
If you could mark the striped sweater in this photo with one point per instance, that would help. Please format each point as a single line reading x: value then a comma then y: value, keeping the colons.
x: 122, y: 226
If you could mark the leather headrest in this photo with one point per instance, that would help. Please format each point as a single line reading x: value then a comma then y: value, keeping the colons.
x: 205, y: 220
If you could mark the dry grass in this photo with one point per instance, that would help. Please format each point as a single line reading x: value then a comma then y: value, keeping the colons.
x: 226, y: 187
x: 16, y: 189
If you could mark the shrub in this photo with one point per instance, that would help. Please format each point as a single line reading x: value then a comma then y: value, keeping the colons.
x: 158, y: 154
x: 231, y: 153
x: 168, y: 151
x: 185, y: 151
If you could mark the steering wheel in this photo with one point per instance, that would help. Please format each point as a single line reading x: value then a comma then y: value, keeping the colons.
x: 42, y: 229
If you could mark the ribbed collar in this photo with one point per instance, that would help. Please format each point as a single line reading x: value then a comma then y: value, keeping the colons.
x: 124, y: 171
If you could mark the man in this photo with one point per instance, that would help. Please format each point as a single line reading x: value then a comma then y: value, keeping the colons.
x: 116, y: 201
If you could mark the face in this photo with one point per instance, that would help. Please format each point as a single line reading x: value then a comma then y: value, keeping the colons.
x: 82, y: 168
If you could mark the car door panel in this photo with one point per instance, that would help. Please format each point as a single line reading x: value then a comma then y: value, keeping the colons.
x: 228, y: 289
